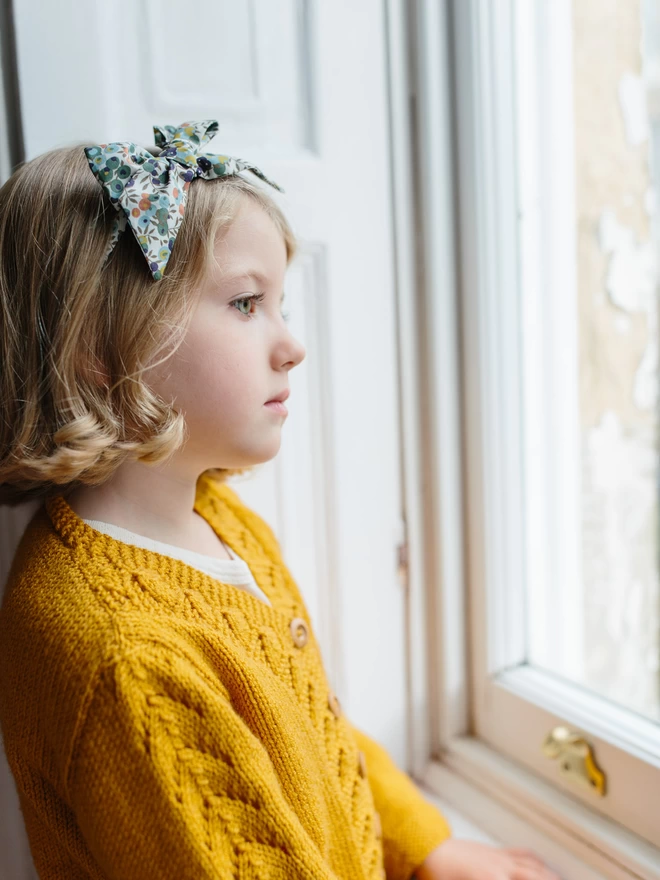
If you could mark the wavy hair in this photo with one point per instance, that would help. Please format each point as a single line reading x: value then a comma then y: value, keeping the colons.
x: 63, y: 317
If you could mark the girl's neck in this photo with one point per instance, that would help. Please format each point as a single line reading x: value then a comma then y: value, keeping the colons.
x: 200, y: 537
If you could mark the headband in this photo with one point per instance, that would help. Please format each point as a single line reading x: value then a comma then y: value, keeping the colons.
x: 150, y: 189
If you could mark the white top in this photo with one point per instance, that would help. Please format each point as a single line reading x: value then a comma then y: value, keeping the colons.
x: 229, y: 571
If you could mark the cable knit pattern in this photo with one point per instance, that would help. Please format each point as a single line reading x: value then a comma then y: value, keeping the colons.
x: 161, y: 724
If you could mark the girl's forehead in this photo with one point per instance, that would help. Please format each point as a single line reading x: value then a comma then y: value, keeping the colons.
x: 251, y: 222
x: 250, y: 249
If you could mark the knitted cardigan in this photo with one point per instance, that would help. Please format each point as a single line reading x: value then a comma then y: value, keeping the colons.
x: 162, y: 725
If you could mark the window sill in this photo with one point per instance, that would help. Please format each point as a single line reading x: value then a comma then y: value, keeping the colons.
x: 495, y: 801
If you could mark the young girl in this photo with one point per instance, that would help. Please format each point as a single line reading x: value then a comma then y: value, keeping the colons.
x: 164, y: 706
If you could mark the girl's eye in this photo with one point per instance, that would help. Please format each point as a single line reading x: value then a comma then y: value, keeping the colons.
x: 258, y: 299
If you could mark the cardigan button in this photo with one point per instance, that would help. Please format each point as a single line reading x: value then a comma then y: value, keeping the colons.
x: 362, y: 765
x: 377, y: 825
x: 299, y: 632
x: 335, y: 705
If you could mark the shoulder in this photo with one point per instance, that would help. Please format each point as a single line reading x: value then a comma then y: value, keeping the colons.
x: 54, y: 636
x: 48, y: 605
x: 62, y: 621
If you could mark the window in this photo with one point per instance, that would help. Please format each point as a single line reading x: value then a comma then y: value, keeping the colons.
x: 555, y: 137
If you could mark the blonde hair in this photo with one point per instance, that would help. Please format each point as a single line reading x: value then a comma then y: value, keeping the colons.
x: 63, y: 317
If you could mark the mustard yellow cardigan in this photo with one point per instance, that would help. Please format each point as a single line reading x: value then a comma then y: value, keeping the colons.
x: 162, y: 725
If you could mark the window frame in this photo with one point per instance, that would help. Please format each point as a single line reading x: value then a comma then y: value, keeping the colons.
x: 454, y: 235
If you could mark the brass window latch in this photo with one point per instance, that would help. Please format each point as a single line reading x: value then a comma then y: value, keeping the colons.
x: 576, y: 759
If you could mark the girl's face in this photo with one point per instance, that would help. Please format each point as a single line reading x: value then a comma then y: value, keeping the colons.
x: 237, y: 352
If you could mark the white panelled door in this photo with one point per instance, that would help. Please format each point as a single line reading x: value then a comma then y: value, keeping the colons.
x: 300, y: 89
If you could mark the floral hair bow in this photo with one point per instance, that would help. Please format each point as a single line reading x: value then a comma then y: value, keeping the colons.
x: 149, y: 189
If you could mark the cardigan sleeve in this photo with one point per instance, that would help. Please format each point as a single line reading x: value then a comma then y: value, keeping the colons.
x: 412, y: 826
x: 166, y: 781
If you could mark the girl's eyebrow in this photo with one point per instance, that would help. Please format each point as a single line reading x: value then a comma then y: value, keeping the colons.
x: 253, y: 273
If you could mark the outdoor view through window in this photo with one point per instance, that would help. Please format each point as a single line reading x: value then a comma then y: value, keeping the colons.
x: 599, y: 509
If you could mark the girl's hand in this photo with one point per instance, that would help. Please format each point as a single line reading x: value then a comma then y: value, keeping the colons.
x: 467, y: 860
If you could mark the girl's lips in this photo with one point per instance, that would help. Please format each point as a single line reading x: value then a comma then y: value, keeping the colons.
x: 277, y: 407
x: 280, y: 397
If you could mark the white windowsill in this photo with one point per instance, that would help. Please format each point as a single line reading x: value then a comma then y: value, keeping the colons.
x: 492, y: 801
x: 567, y: 866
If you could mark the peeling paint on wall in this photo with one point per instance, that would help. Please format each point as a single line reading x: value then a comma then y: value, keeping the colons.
x: 632, y: 273
x: 618, y: 288
x: 632, y: 286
